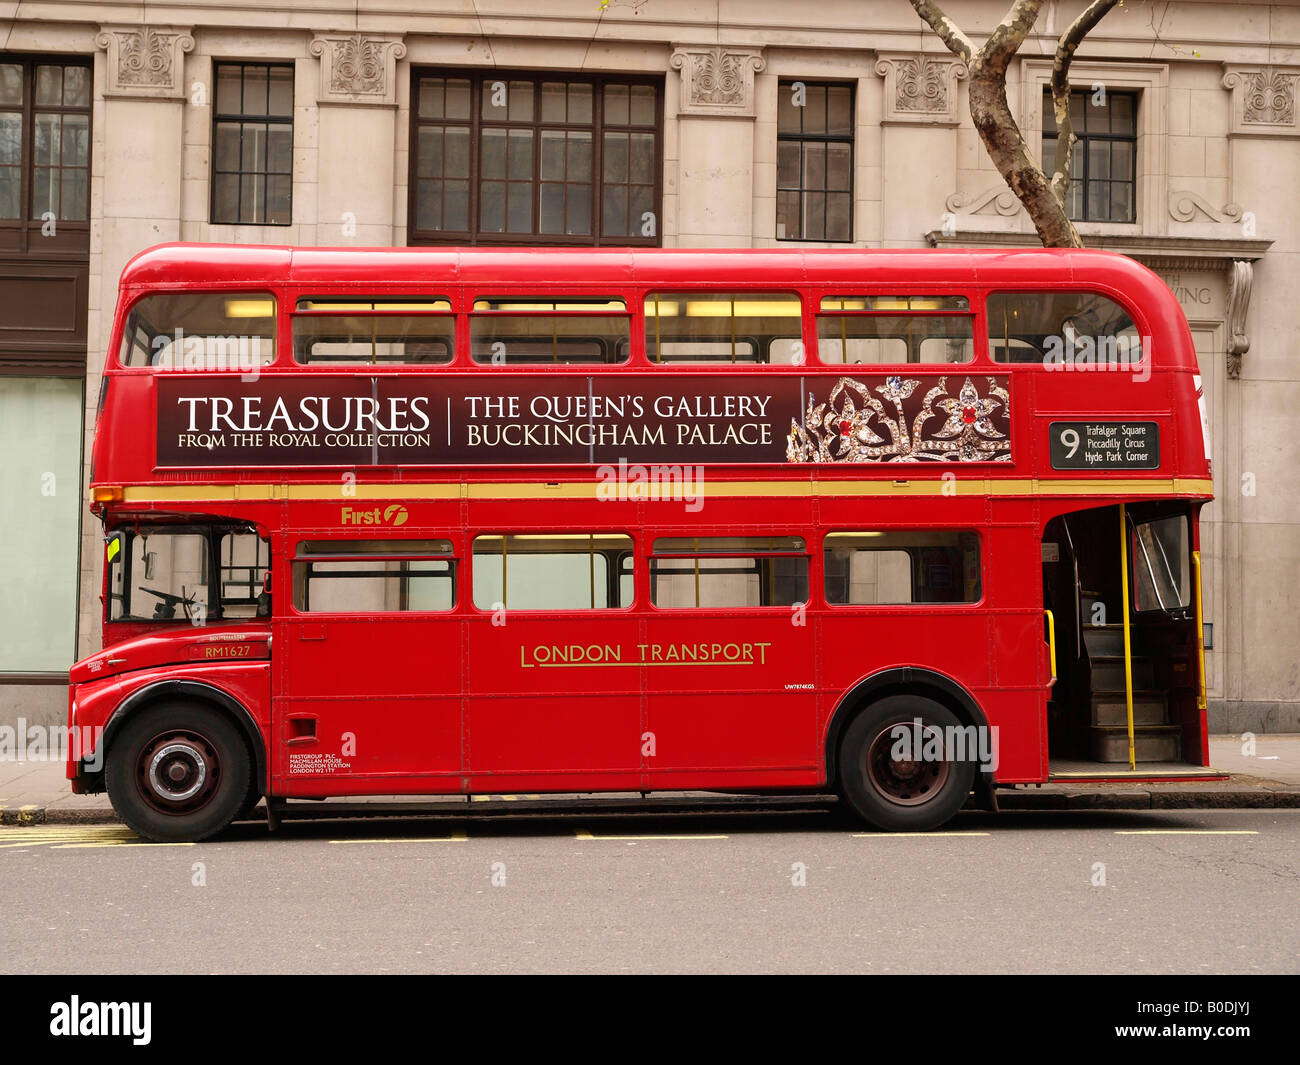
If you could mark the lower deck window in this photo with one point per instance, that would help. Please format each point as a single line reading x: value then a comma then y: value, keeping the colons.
x: 374, y: 576
x: 872, y: 568
x: 729, y: 571
x: 553, y: 571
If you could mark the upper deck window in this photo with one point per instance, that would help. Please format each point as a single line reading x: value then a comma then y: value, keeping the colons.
x: 724, y: 327
x: 1062, y: 329
x: 200, y: 331
x: 357, y: 332
x: 544, y: 330
x: 895, y: 329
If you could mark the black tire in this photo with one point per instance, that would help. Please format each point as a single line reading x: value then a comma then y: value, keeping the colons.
x: 178, y: 772
x: 896, y: 795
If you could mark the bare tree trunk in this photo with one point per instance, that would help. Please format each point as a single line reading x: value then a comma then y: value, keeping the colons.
x: 1044, y: 199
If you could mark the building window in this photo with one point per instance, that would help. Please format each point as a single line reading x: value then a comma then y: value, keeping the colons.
x: 1103, y: 169
x: 252, y: 144
x: 512, y: 159
x: 814, y: 162
x: 44, y: 142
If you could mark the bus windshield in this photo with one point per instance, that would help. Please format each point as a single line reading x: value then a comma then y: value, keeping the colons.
x: 186, y: 573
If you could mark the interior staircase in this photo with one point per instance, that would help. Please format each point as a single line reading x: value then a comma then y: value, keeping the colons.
x: 1155, y: 739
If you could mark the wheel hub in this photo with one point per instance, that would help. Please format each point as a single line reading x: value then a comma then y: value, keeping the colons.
x: 177, y: 772
x: 904, y: 781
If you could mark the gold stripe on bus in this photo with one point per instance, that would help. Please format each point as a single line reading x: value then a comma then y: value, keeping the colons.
x: 972, y: 486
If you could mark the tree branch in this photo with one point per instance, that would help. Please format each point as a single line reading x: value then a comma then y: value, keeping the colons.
x: 1008, y: 35
x: 1065, y: 49
x: 958, y: 43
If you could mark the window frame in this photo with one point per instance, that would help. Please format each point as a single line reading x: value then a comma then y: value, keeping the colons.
x: 391, y: 309
x: 212, y: 535
x: 702, y: 555
x: 820, y: 312
x: 267, y: 120
x: 1081, y: 152
x: 802, y: 138
x: 474, y: 314
x: 652, y: 342
x: 306, y: 559
x: 478, y: 78
x: 981, y: 547
x: 127, y: 344
x: 1132, y: 310
x: 24, y: 226
x: 613, y: 575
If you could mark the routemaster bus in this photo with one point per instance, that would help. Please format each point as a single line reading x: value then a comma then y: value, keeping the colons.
x: 905, y: 527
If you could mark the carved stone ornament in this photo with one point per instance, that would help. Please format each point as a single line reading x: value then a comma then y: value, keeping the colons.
x: 920, y: 89
x: 145, y: 61
x: 1263, y: 99
x: 996, y: 200
x: 358, y: 68
x: 1184, y: 205
x: 1239, y: 284
x: 717, y: 80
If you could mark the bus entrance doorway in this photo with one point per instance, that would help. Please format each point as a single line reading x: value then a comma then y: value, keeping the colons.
x: 1122, y: 585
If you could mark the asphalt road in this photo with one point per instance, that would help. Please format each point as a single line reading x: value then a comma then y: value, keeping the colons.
x: 1184, y: 892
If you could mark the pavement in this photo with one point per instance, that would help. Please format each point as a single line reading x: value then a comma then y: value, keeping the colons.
x: 36, y: 793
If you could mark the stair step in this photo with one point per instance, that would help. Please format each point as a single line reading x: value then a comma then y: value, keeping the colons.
x: 1104, y: 639
x: 1151, y: 743
x: 1111, y: 708
x: 1108, y: 672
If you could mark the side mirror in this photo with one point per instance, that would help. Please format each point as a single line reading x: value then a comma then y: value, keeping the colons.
x: 150, y: 559
x: 266, y: 583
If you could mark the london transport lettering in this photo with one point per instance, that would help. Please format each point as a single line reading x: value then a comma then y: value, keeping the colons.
x: 644, y: 654
x: 535, y: 419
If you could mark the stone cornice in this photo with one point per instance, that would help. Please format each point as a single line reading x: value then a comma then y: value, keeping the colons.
x: 1171, y: 253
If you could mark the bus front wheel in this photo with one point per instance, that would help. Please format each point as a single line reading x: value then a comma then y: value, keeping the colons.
x: 178, y: 772
x: 898, y: 767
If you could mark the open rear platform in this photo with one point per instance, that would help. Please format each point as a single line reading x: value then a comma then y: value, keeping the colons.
x: 1076, y: 771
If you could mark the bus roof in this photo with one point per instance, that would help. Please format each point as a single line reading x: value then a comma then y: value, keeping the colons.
x: 187, y: 264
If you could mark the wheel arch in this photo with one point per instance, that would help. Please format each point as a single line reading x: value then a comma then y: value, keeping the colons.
x: 195, y: 691
x: 899, y: 680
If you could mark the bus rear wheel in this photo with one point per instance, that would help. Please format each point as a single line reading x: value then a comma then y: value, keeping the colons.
x: 897, y: 768
x: 178, y: 772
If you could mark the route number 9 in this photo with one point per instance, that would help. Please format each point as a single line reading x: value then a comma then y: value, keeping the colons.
x: 1070, y: 439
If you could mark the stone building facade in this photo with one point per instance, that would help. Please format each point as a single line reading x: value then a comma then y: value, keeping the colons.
x: 655, y: 122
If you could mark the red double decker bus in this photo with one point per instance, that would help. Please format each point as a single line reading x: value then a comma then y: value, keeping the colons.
x: 897, y: 525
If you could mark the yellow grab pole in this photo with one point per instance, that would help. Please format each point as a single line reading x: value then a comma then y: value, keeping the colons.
x: 1128, y: 650
x: 1200, y: 631
x: 1051, y: 640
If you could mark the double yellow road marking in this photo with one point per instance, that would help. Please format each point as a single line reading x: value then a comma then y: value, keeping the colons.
x: 75, y: 837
